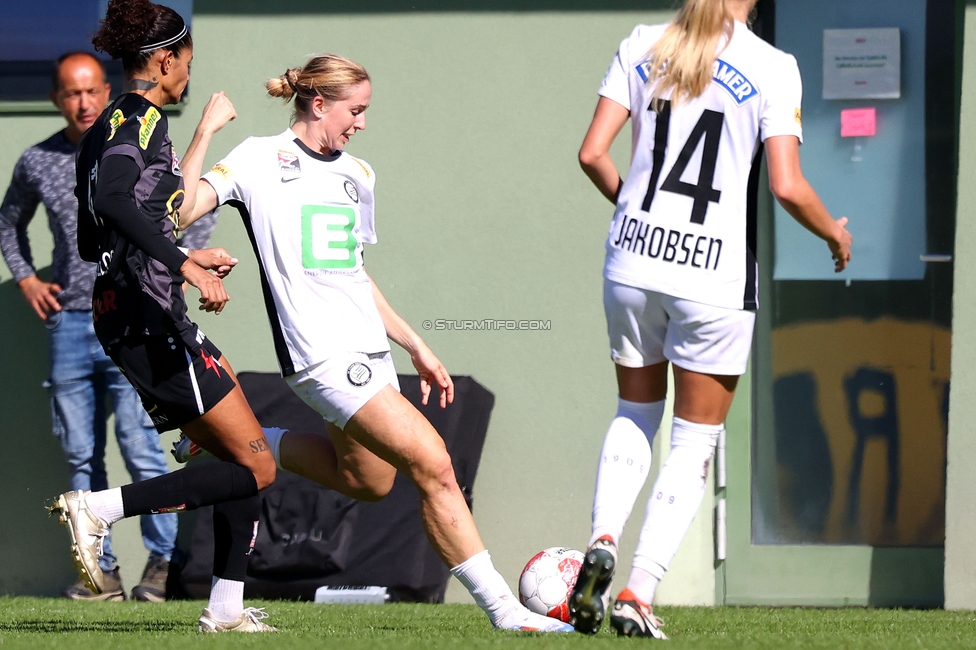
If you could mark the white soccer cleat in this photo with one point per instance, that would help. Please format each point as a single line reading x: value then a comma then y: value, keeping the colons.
x: 630, y: 617
x: 88, y: 534
x: 520, y: 619
x: 184, y: 449
x: 250, y: 620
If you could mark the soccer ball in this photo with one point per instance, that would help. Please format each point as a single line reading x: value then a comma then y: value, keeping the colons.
x: 548, y: 579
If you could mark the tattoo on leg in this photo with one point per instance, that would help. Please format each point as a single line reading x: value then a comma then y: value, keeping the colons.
x: 259, y: 445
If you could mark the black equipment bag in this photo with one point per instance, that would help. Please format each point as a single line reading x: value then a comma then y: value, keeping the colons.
x: 310, y: 536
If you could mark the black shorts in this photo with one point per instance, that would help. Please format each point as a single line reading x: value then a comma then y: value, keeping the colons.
x: 176, y: 385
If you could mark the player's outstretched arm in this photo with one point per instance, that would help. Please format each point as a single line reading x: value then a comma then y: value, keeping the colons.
x: 794, y: 193
x: 431, y: 370
x: 594, y: 155
x: 205, y: 202
x: 218, y: 112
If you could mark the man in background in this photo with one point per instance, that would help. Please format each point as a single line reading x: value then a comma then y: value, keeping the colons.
x: 82, y: 376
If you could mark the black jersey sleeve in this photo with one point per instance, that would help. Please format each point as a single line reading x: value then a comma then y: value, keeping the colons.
x: 89, y: 232
x: 115, y: 203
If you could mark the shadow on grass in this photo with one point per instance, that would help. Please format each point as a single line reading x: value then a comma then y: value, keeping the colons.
x: 49, y: 626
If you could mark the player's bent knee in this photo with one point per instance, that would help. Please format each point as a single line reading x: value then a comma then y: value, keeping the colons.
x: 435, y: 473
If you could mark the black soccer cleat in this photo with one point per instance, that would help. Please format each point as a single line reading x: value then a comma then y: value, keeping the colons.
x: 591, y: 594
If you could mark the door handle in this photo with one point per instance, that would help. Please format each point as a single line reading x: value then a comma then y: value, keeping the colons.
x: 935, y: 257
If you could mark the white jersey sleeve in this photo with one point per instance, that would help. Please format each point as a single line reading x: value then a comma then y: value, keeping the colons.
x: 780, y: 112
x: 616, y: 85
x: 228, y: 176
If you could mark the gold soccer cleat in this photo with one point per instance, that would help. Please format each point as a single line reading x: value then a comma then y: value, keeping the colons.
x: 88, y: 534
x: 250, y: 620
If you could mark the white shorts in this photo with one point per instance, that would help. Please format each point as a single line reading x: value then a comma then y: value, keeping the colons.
x: 647, y: 327
x: 340, y: 386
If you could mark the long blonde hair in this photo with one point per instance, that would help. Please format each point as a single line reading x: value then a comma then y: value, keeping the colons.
x: 681, y: 60
x: 329, y: 76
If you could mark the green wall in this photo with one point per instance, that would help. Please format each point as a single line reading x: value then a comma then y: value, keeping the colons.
x: 482, y: 213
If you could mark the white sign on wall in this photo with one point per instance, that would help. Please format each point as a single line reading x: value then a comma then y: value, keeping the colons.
x: 862, y: 63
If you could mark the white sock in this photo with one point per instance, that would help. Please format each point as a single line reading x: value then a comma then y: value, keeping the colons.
x: 674, y: 502
x: 106, y: 505
x: 226, y: 599
x: 644, y: 582
x: 624, y: 464
x: 486, y: 586
x: 274, y: 435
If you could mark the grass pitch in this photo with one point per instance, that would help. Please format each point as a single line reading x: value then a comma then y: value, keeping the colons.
x: 48, y: 623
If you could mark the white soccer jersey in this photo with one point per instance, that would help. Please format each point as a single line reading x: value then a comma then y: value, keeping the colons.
x: 685, y: 223
x: 308, y: 216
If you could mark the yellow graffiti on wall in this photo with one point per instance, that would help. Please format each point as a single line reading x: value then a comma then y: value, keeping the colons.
x: 881, y: 386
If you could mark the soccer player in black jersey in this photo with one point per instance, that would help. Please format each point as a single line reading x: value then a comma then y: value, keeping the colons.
x: 131, y: 190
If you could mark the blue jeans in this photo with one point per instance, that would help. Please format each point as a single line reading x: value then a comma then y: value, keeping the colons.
x: 82, y: 376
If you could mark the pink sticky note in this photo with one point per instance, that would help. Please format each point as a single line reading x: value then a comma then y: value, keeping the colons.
x: 856, y: 122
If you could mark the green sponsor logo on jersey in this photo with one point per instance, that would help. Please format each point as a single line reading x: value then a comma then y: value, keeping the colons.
x: 327, y: 238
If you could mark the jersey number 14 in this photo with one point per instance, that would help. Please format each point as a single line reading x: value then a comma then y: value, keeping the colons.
x: 709, y: 127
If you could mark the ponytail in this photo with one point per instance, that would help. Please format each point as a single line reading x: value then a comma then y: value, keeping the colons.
x: 681, y: 61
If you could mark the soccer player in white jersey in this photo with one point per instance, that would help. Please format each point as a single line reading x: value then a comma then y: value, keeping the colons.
x: 308, y: 208
x: 705, y: 96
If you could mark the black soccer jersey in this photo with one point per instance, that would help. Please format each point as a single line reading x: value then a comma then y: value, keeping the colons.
x: 138, y: 290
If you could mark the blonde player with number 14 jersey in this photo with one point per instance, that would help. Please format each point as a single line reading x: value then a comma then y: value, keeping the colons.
x: 705, y: 96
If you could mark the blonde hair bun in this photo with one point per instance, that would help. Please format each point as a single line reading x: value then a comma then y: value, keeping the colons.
x: 329, y: 76
x: 284, y: 86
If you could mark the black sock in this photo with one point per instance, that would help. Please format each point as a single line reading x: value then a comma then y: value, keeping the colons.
x: 235, y: 528
x: 192, y: 487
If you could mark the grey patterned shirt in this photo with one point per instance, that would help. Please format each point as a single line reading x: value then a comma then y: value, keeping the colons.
x: 45, y: 174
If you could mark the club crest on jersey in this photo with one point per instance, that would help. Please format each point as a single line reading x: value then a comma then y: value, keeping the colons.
x: 114, y: 122
x: 289, y: 165
x: 149, y: 122
x: 351, y: 190
x: 359, y: 374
